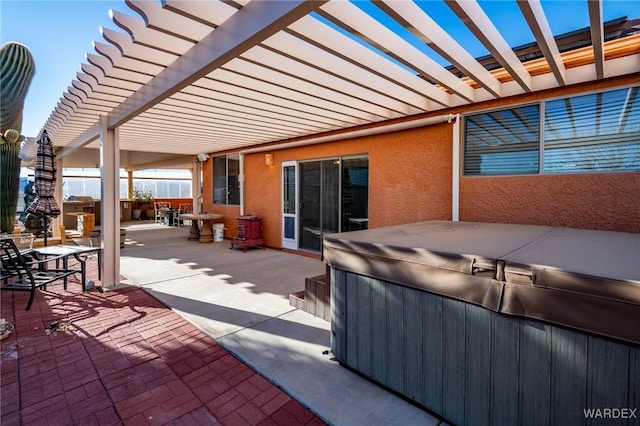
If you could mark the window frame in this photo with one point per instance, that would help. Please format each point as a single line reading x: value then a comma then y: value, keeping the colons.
x: 229, y: 189
x: 542, y: 128
x: 463, y: 132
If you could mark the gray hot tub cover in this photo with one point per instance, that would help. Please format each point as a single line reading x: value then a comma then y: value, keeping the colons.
x: 583, y: 279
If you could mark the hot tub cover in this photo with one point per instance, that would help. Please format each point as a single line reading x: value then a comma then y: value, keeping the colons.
x: 584, y: 279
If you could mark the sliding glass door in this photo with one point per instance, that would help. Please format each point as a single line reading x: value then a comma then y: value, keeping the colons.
x: 333, y: 197
x: 319, y: 199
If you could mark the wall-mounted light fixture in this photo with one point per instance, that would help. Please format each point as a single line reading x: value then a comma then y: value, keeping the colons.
x: 268, y: 160
x: 203, y: 157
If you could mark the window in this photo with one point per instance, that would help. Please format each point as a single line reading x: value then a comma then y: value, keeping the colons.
x: 597, y: 132
x: 163, y: 183
x: 503, y: 142
x: 226, y: 171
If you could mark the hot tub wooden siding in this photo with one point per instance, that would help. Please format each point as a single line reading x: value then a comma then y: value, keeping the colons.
x: 473, y: 366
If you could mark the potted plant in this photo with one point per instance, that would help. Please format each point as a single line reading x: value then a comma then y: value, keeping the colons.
x: 144, y: 201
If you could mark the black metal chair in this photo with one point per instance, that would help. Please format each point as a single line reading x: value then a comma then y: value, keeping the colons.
x: 26, y: 271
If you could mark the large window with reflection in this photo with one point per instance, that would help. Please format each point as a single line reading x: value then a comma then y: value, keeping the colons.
x: 162, y: 183
x: 503, y: 142
x: 597, y: 132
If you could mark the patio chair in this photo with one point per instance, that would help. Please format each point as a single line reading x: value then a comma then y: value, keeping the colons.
x: 160, y: 209
x: 26, y: 271
x: 184, y: 208
x: 23, y: 241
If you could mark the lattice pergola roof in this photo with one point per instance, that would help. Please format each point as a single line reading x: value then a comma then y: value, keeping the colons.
x: 182, y: 77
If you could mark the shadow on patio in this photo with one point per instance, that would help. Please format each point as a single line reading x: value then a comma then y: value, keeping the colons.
x: 154, y: 365
x: 122, y: 357
x: 241, y: 300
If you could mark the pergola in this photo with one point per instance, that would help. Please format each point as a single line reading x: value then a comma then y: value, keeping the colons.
x: 188, y: 77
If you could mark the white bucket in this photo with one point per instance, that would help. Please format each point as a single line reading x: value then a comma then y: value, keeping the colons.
x: 218, y: 231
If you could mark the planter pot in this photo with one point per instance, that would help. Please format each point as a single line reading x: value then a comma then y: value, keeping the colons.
x: 150, y: 213
x: 136, y: 213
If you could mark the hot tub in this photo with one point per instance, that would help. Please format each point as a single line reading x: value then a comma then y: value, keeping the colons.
x: 491, y: 323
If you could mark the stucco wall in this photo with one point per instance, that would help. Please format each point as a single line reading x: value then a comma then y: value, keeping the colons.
x: 609, y: 201
x: 410, y: 180
x: 409, y: 177
x: 602, y: 201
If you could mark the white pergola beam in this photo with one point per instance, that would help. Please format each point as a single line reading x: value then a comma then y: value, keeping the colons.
x: 164, y: 164
x: 293, y: 93
x: 329, y: 84
x: 231, y: 91
x: 231, y: 76
x: 168, y: 22
x: 434, y: 36
x: 537, y: 20
x: 350, y: 60
x: 134, y: 50
x: 231, y: 112
x: 472, y: 15
x: 244, y: 29
x: 88, y: 136
x: 145, y: 36
x: 212, y: 13
x: 365, y: 26
x: 597, y: 36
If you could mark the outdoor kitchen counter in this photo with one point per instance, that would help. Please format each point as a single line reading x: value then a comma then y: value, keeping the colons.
x: 490, y: 323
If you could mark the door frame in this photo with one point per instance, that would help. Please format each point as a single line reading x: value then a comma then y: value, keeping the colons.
x: 294, y: 243
x: 289, y: 243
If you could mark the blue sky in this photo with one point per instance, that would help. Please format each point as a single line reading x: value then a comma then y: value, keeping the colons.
x: 59, y: 34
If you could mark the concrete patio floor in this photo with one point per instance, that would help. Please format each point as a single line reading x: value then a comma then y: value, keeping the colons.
x: 240, y: 300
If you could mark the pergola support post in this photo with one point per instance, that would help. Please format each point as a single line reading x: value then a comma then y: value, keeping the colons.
x: 196, y: 186
x: 110, y: 206
x: 455, y: 171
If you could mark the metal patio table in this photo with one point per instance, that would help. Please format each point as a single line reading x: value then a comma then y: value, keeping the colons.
x: 80, y: 253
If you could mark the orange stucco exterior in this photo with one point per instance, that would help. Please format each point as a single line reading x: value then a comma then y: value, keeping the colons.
x: 607, y: 201
x: 409, y: 176
x: 410, y: 180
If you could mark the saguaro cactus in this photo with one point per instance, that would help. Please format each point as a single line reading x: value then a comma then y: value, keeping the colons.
x: 16, y: 72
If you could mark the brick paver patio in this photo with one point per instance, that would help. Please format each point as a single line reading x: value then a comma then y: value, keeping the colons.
x: 122, y: 357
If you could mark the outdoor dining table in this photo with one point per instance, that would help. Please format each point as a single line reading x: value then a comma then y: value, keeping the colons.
x: 80, y: 253
x: 203, y: 234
